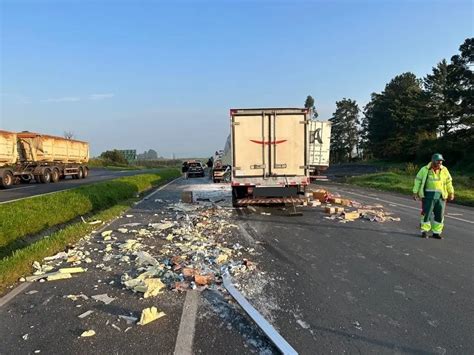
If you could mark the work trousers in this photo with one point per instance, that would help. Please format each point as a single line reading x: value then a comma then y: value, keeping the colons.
x: 432, y: 207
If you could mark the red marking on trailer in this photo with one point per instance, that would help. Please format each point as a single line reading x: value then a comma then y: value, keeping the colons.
x: 269, y: 142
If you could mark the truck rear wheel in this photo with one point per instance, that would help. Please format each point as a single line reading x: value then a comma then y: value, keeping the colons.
x: 85, y: 172
x: 7, y: 179
x: 55, y: 175
x: 80, y: 173
x: 45, y: 178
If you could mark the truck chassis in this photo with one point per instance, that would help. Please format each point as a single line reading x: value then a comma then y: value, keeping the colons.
x: 40, y: 172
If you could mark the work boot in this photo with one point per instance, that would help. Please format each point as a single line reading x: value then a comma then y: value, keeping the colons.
x: 424, y: 235
x: 437, y: 236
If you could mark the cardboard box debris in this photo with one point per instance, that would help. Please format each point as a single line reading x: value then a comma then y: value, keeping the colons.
x: 203, y: 280
x: 149, y: 315
x: 187, y: 197
x: 320, y: 195
x: 351, y: 215
x: 330, y: 210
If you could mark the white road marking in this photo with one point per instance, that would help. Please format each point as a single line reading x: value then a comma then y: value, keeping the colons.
x: 402, y: 205
x: 10, y: 295
x: 184, y: 340
x: 53, y: 192
x: 147, y: 197
x: 22, y: 188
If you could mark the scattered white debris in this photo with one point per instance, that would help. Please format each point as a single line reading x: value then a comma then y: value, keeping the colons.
x: 85, y: 314
x: 103, y: 298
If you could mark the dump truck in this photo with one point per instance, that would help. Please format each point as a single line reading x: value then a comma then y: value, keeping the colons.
x: 269, y: 155
x: 319, y: 147
x: 28, y: 156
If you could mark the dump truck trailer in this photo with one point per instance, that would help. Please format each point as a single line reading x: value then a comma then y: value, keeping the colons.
x: 269, y: 155
x: 28, y: 156
x: 319, y: 147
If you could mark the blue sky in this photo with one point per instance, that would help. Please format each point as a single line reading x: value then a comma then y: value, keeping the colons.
x: 163, y: 75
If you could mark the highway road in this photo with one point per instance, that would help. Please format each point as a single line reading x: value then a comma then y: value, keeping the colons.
x: 326, y: 286
x: 33, y: 189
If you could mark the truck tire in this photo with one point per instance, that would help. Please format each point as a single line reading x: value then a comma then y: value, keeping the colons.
x: 7, y: 179
x: 238, y: 192
x: 80, y: 173
x: 45, y: 177
x: 85, y: 172
x: 55, y: 175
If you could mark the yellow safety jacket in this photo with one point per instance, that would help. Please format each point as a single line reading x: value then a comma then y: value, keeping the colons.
x: 427, y: 180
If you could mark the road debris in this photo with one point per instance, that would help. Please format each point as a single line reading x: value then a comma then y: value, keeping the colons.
x: 88, y: 333
x: 346, y: 210
x: 103, y: 298
x: 85, y: 314
x: 25, y: 337
x: 266, y: 327
x: 71, y: 270
x: 149, y: 315
x: 76, y: 297
x: 129, y: 319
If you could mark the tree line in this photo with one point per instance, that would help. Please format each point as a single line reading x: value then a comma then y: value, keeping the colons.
x: 412, y: 117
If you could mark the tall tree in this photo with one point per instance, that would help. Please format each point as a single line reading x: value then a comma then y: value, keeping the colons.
x: 69, y: 134
x: 462, y: 77
x: 398, y: 119
x: 442, y: 107
x: 344, y: 131
x: 309, y: 103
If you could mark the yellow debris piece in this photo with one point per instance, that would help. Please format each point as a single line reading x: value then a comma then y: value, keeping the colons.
x: 221, y: 258
x: 58, y: 276
x: 106, y: 233
x: 153, y: 287
x: 149, y: 315
x: 88, y: 333
x: 71, y: 270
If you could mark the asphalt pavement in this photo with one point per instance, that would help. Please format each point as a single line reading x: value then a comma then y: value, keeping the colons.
x: 33, y: 189
x: 326, y: 286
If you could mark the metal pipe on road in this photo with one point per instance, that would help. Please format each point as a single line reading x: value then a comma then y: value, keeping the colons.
x: 266, y: 327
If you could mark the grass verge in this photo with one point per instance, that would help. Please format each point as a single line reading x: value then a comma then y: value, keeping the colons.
x: 19, y: 263
x: 26, y: 217
x: 403, y: 182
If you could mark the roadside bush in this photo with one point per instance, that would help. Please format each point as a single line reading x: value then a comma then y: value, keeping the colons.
x: 32, y: 215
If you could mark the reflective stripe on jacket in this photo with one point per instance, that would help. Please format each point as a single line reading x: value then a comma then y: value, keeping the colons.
x: 445, y: 183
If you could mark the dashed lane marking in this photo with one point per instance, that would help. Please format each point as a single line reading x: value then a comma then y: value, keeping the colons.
x: 184, y: 340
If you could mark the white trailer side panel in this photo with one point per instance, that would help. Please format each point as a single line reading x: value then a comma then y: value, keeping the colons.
x: 319, y: 143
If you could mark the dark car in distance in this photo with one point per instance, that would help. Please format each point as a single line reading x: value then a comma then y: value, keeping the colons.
x: 195, y: 169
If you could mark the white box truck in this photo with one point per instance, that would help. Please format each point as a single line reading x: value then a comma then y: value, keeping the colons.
x: 269, y: 150
x: 319, y: 147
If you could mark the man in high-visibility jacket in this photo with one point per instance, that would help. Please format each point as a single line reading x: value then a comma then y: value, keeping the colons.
x: 434, y: 185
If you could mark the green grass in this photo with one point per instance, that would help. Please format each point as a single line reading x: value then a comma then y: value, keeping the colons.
x: 402, y: 181
x: 106, y: 200
x: 19, y: 263
x: 30, y: 216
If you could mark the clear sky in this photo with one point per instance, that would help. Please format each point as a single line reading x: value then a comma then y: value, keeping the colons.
x: 163, y: 74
